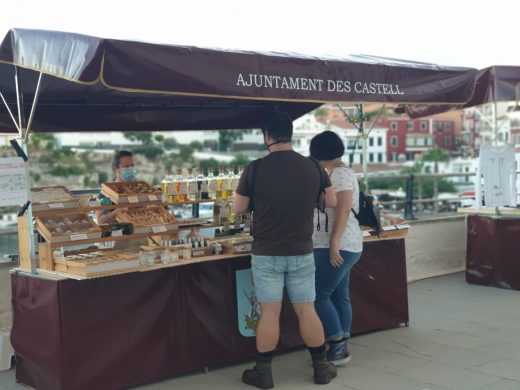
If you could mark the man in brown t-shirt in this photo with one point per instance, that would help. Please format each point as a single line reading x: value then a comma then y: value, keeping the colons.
x: 283, y: 189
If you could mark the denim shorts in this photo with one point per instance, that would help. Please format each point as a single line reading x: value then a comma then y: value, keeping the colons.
x: 296, y: 273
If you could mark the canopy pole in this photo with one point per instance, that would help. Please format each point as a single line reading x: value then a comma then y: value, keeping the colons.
x: 11, y: 114
x: 17, y: 85
x: 364, y: 137
x: 33, y: 108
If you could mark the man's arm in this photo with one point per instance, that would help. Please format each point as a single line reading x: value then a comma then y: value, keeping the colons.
x: 240, y: 204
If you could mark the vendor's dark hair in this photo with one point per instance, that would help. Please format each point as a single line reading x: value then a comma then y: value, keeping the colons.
x: 278, y: 125
x: 118, y: 156
x: 326, y: 146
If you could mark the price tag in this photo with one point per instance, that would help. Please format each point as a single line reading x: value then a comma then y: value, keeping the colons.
x: 94, y: 203
x: 56, y: 205
x: 153, y: 198
x: 117, y: 233
x: 133, y: 199
x: 159, y: 229
x: 77, y: 237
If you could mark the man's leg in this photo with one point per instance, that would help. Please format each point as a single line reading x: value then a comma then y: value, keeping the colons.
x: 311, y: 328
x: 268, y: 278
x: 268, y: 330
x: 300, y: 283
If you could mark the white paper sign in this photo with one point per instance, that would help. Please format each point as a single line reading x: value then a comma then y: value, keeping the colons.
x: 56, y: 205
x: 153, y: 198
x: 13, y: 181
x: 158, y: 229
x: 117, y: 233
x: 133, y: 199
x: 77, y: 237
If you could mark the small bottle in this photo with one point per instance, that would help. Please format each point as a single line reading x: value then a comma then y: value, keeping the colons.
x: 202, y: 185
x: 212, y: 185
x: 180, y: 187
x: 164, y: 187
x: 229, y: 184
x: 191, y: 185
x: 221, y: 184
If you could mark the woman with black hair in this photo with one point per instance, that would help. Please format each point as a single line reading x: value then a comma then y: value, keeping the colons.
x: 337, y: 246
x: 123, y: 168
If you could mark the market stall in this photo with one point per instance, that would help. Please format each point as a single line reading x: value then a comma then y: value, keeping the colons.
x: 492, y: 255
x: 81, y: 322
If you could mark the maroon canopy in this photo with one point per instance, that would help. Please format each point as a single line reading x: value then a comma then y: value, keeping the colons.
x: 493, y: 84
x: 94, y: 84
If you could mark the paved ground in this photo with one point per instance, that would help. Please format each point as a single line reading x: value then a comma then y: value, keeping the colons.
x: 460, y: 337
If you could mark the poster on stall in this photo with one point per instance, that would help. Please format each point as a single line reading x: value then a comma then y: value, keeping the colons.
x: 248, y: 308
x: 497, y: 166
x: 13, y: 181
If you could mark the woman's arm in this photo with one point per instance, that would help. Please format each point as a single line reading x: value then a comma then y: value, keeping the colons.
x: 105, y: 218
x: 342, y: 213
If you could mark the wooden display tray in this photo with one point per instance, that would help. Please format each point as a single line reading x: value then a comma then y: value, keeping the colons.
x: 64, y: 199
x: 142, y: 225
x: 106, y: 263
x: 119, y: 192
x: 47, y: 231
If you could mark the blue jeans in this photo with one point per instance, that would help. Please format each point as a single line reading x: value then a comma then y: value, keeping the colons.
x: 332, y: 294
x: 272, y: 273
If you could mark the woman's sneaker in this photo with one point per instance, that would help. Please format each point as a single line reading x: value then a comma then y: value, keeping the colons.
x: 338, y: 354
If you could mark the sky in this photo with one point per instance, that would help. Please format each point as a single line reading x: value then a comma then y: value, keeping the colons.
x: 473, y: 33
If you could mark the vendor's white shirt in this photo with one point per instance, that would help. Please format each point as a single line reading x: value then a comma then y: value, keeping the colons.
x: 343, y: 179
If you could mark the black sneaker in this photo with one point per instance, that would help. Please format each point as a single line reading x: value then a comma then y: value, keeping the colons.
x: 261, y: 378
x: 338, y: 354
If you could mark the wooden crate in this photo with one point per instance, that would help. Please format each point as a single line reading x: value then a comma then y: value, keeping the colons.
x: 52, y: 198
x: 151, y: 219
x: 126, y: 192
x: 98, y: 263
x: 64, y: 228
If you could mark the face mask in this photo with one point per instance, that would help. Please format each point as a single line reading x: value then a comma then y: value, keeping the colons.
x: 127, y: 174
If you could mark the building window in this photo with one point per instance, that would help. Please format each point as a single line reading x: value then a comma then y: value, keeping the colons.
x: 517, y: 138
x: 393, y: 126
x: 371, y: 157
x: 380, y: 157
x: 423, y: 125
x: 447, y: 141
x: 379, y: 141
x: 448, y: 126
x: 409, y: 125
x: 394, y: 155
x: 458, y: 139
x: 393, y: 141
x: 371, y: 141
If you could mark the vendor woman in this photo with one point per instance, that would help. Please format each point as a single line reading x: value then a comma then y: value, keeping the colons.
x: 123, y: 168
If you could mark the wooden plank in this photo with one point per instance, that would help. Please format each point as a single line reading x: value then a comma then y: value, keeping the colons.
x: 45, y: 256
x: 93, y: 208
x: 105, y: 239
x: 24, y: 239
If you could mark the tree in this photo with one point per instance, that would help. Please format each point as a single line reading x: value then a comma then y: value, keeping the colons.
x: 321, y: 112
x: 227, y: 137
x: 159, y: 138
x: 143, y: 137
x: 197, y: 145
x: 170, y: 143
x: 240, y: 159
x: 436, y: 155
x: 186, y: 153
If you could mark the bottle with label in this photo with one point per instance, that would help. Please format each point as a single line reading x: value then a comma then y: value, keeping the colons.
x: 202, y: 186
x: 236, y: 178
x: 180, y: 187
x: 164, y: 187
x: 221, y: 184
x: 212, y: 184
x: 191, y: 185
x: 229, y: 182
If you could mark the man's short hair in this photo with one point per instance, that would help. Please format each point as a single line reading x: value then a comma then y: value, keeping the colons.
x: 326, y: 146
x: 279, y: 126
